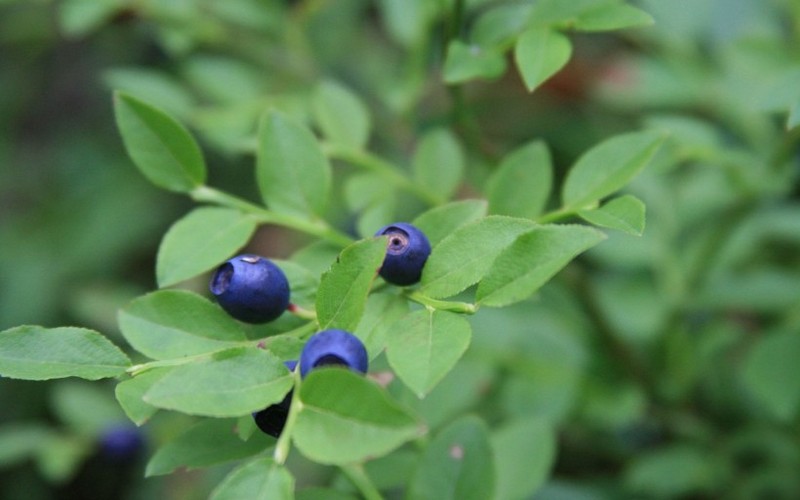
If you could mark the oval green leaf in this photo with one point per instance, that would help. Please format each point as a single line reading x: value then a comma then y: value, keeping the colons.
x: 771, y: 374
x: 209, y: 442
x: 469, y: 62
x: 625, y: 213
x: 341, y: 115
x: 533, y: 259
x: 521, y: 185
x: 423, y: 346
x: 229, y: 383
x: 293, y: 174
x: 174, y: 323
x: 200, y: 241
x: 343, y: 290
x: 612, y: 16
x: 457, y: 465
x: 36, y: 353
x: 539, y: 54
x: 346, y: 418
x: 163, y: 150
x: 260, y: 479
x: 462, y: 259
x: 130, y: 392
x: 441, y: 221
x: 608, y: 166
x: 524, y: 452
x: 438, y: 162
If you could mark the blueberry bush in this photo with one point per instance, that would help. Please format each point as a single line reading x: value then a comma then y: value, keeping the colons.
x: 397, y: 249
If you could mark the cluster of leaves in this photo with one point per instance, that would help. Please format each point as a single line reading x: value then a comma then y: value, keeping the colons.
x: 633, y: 358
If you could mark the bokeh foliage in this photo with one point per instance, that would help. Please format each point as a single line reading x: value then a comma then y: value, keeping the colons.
x: 662, y: 365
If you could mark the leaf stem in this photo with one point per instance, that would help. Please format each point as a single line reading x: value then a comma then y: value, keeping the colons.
x: 442, y: 305
x: 317, y: 227
x: 284, y: 443
x: 301, y: 312
x: 358, y: 476
x: 378, y: 165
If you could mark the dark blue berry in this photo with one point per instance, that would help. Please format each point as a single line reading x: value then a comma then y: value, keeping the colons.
x: 272, y: 418
x: 406, y: 253
x: 121, y: 441
x: 333, y: 347
x: 251, y: 288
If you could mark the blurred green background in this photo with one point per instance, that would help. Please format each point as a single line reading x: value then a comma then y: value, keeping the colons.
x: 668, y: 363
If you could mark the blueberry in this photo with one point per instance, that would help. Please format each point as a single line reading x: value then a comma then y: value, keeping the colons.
x: 251, y: 288
x: 121, y: 441
x: 272, y: 418
x: 333, y: 347
x: 406, y: 253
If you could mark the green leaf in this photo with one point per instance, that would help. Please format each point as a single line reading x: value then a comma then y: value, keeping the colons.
x: 19, y: 441
x: 521, y: 185
x: 343, y: 290
x: 501, y: 24
x: 341, y: 115
x: 231, y: 383
x: 37, y: 353
x: 61, y: 458
x: 612, y: 16
x: 469, y: 62
x: 293, y: 174
x: 461, y: 259
x: 407, y: 20
x: 155, y: 86
x: 438, y: 162
x: 261, y: 479
x: 174, y: 323
x: 561, y: 13
x: 381, y: 311
x: 531, y: 260
x: 524, y: 452
x: 162, y: 148
x: 457, y: 465
x: 200, y: 241
x: 772, y: 376
x: 320, y: 493
x: 209, y: 442
x: 625, y: 213
x: 423, y: 346
x: 87, y: 409
x: 130, y: 393
x: 675, y: 471
x: 608, y: 166
x: 346, y: 418
x: 81, y: 17
x: 441, y: 221
x: 302, y: 282
x: 539, y: 54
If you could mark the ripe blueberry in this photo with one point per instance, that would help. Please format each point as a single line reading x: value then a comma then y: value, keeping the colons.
x: 121, y: 441
x: 251, y: 288
x: 272, y: 418
x: 333, y: 347
x: 406, y: 253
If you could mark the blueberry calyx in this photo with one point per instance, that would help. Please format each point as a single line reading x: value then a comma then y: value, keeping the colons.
x: 407, y: 251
